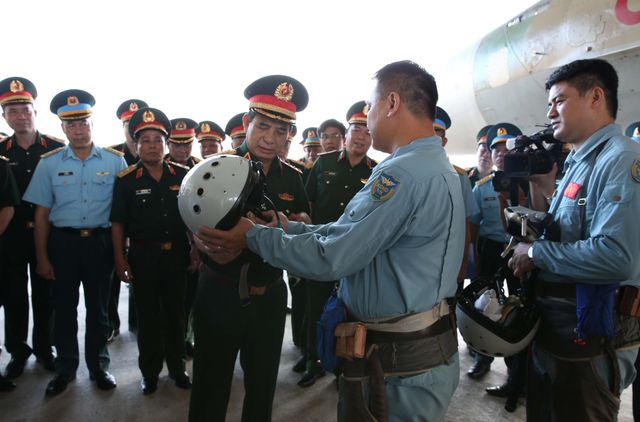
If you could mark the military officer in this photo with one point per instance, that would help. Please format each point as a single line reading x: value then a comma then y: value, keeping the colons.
x: 180, y: 142
x: 128, y: 148
x: 312, y: 146
x: 72, y: 189
x: 333, y: 181
x: 223, y: 326
x: 377, y: 248
x: 332, y: 134
x: 9, y: 199
x: 210, y: 137
x: 483, y: 155
x: 145, y: 209
x: 633, y: 131
x: 236, y: 130
x: 23, y: 149
x: 575, y: 375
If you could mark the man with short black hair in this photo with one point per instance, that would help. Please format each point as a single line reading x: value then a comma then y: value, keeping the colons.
x: 397, y: 251
x: 584, y: 351
x: 332, y: 134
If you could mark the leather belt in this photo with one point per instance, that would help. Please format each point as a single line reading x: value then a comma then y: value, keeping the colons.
x: 559, y: 290
x: 441, y: 326
x: 163, y: 246
x: 84, y: 232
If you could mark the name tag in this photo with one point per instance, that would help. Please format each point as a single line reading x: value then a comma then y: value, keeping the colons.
x: 330, y: 173
x: 490, y: 198
x: 143, y: 191
x: 65, y: 173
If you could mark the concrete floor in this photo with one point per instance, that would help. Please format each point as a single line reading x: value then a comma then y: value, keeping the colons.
x: 82, y: 401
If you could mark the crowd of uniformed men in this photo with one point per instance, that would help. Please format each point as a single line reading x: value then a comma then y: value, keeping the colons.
x: 72, y: 212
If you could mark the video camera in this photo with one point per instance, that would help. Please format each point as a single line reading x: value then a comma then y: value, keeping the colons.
x: 533, y: 154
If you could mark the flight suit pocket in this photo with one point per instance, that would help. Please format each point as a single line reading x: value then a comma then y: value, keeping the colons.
x: 65, y: 189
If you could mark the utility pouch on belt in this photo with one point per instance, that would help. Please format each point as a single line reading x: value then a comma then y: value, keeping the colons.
x: 351, y: 339
x: 629, y: 301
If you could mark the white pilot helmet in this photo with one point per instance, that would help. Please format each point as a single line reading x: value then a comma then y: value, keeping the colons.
x: 497, y: 337
x: 215, y: 191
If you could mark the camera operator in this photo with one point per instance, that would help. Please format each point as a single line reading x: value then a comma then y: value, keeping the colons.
x: 595, y: 207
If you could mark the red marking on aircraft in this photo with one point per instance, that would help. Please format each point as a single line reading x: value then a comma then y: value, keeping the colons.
x: 625, y: 15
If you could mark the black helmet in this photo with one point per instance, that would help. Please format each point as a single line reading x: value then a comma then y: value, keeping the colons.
x: 510, y: 330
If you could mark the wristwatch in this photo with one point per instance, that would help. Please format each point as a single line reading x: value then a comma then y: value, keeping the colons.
x: 530, y: 252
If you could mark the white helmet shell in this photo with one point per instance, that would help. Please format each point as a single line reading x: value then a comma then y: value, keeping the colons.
x: 212, y: 190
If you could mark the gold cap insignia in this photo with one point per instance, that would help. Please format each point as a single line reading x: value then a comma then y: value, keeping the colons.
x: 365, y: 109
x: 71, y: 101
x: 181, y: 125
x: 133, y: 107
x: 284, y: 91
x: 148, y: 117
x: 312, y: 134
x: 16, y: 86
x: 502, y: 131
x: 636, y: 132
x: 205, y: 128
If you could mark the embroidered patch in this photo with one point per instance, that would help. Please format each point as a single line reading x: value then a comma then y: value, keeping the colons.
x: 572, y: 190
x: 102, y: 173
x: 635, y: 170
x: 384, y: 187
x: 286, y: 196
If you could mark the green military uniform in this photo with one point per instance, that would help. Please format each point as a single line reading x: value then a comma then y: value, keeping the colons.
x: 332, y: 183
x: 191, y: 161
x: 224, y: 323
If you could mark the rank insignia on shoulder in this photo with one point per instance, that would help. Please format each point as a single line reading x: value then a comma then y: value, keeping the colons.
x: 384, y: 187
x: 635, y: 170
x: 364, y: 181
x: 286, y: 196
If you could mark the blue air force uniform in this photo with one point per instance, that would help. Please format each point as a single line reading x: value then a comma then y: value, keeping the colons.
x: 396, y: 249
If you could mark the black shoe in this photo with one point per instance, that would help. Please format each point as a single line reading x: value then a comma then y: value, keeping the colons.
x: 58, y: 384
x: 300, y: 365
x: 309, y: 377
x: 478, y: 370
x: 182, y: 380
x: 6, y: 385
x: 103, y: 379
x: 149, y: 385
x: 512, y: 404
x: 498, y: 390
x: 189, y: 348
x: 15, y: 367
x: 48, y: 362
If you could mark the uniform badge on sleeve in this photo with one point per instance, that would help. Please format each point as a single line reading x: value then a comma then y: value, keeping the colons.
x: 384, y: 187
x: 635, y: 170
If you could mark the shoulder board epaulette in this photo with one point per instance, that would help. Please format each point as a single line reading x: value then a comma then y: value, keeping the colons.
x: 50, y: 153
x: 295, y: 162
x: 182, y: 166
x: 484, y: 180
x: 327, y: 153
x: 196, y: 160
x: 126, y: 171
x: 228, y: 152
x: 4, y: 138
x: 2, y: 157
x: 114, y: 151
x: 54, y: 139
x: 291, y: 166
x: 460, y: 170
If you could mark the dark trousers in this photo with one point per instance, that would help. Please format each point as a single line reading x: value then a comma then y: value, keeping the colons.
x: 114, y: 300
x: 636, y: 392
x: 318, y: 293
x: 86, y: 260
x: 222, y: 328
x: 159, y: 286
x: 298, y: 289
x: 18, y: 267
x: 189, y: 297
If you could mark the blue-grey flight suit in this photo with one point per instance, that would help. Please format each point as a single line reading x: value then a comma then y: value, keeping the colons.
x: 396, y: 249
x: 78, y: 194
x: 609, y: 252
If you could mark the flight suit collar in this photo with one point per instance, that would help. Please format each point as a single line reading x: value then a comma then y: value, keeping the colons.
x: 593, y: 141
x: 244, y: 152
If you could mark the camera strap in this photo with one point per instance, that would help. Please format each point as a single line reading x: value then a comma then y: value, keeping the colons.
x: 582, y: 193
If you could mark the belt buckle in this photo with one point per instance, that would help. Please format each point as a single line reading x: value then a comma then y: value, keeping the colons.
x: 30, y: 224
x: 85, y: 232
x: 166, y: 246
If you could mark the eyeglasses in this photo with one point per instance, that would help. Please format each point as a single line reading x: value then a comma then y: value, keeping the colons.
x: 333, y: 136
